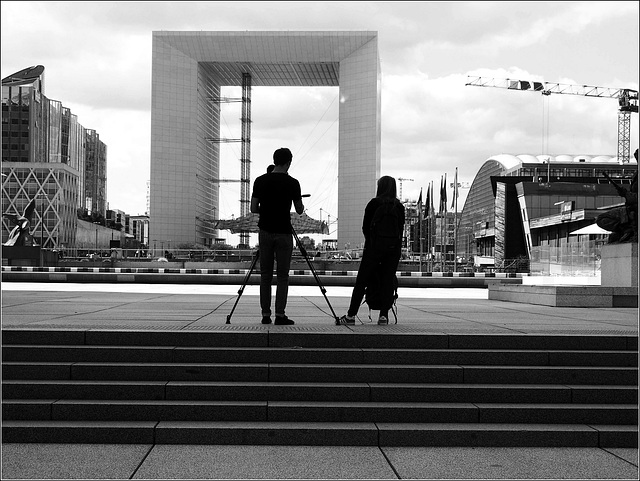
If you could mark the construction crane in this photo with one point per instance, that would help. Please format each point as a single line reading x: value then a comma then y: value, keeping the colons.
x: 401, y: 179
x: 627, y: 101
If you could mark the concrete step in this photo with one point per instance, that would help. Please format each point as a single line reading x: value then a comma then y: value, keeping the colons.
x: 316, y: 412
x: 308, y: 391
x: 288, y: 355
x: 343, y: 373
x: 343, y: 387
x: 355, y: 337
x: 322, y: 434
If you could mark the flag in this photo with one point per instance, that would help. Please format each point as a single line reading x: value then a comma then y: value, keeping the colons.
x: 443, y: 194
x: 431, y: 206
x: 455, y: 190
x: 428, y: 203
x: 444, y: 186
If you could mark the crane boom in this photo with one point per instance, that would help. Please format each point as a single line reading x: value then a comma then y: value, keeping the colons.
x: 627, y: 100
x: 548, y: 88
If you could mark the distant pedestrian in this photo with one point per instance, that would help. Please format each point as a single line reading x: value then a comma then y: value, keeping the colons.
x: 272, y: 196
x: 382, y: 226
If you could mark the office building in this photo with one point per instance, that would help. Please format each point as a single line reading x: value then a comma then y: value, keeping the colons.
x: 188, y: 71
x: 526, y: 208
x: 48, y: 155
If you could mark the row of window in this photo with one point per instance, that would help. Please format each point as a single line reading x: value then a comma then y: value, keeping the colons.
x: 15, y: 147
x: 566, y: 172
x: 16, y: 133
x: 23, y: 121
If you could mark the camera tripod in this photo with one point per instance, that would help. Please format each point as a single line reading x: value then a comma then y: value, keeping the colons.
x: 303, y: 251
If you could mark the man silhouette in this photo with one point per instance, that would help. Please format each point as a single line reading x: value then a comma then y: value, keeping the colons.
x: 273, y: 194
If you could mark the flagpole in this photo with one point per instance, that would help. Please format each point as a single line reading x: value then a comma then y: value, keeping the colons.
x: 432, y: 238
x: 420, y: 228
x: 443, y: 226
x: 440, y: 210
x: 429, y: 231
x: 455, y: 224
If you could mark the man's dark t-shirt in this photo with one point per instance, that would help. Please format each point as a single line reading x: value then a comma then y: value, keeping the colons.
x: 276, y: 192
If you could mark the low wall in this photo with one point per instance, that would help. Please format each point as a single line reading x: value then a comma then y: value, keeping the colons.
x: 151, y: 275
x: 620, y: 265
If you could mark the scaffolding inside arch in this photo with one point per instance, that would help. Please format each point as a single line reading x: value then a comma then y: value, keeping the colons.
x: 245, y: 150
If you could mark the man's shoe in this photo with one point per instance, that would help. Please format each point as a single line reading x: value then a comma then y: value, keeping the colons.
x: 346, y: 321
x: 283, y: 321
x: 266, y: 320
x: 383, y: 321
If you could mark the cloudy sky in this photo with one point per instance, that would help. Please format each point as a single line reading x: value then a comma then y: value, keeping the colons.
x: 97, y: 59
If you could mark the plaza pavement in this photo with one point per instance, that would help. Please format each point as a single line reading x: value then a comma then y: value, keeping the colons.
x: 163, y: 306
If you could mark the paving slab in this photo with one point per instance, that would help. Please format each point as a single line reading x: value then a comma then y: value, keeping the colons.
x: 265, y: 462
x: 176, y: 307
x: 72, y: 461
x: 108, y: 461
x: 509, y: 463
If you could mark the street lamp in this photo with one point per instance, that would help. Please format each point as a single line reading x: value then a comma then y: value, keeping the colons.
x: 97, y: 236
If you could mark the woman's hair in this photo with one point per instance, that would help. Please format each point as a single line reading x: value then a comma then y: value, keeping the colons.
x: 386, y: 187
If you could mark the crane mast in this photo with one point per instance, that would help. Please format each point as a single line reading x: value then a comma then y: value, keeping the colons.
x: 400, y: 180
x: 627, y: 101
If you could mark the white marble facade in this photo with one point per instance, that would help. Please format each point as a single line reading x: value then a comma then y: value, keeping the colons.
x: 188, y: 69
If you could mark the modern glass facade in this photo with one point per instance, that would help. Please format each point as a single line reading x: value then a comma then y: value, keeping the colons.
x: 513, y: 209
x: 45, y: 153
x: 95, y: 173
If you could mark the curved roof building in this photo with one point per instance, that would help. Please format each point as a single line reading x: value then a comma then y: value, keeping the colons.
x: 515, y: 202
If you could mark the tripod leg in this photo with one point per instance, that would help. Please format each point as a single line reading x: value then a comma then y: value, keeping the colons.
x: 313, y: 271
x: 244, y: 284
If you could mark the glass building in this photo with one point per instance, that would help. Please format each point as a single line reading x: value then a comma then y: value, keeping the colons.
x: 48, y: 155
x: 520, y: 207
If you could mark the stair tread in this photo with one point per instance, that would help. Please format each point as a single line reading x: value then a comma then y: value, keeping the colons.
x: 285, y: 384
x: 336, y: 404
x: 315, y: 365
x: 311, y: 425
x: 303, y: 348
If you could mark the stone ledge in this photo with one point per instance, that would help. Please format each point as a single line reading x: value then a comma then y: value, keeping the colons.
x: 566, y: 296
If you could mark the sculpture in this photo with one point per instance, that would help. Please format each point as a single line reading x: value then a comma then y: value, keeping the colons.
x: 622, y: 222
x: 21, y: 233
